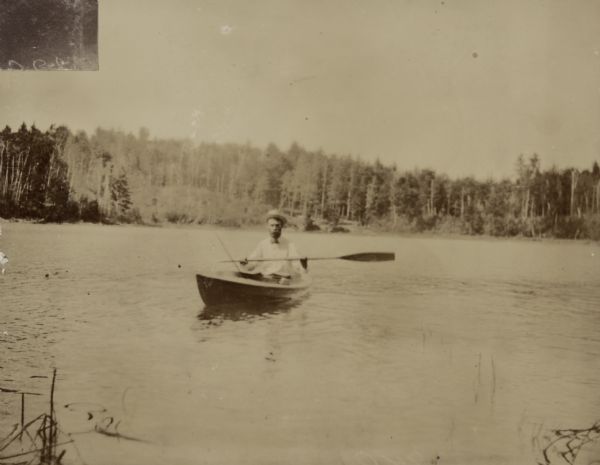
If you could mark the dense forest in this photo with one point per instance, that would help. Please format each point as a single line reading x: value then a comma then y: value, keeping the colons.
x: 111, y: 176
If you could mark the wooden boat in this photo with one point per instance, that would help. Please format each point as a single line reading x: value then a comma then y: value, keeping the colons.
x: 230, y: 287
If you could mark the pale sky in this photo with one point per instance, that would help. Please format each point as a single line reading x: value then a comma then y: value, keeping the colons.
x: 460, y: 86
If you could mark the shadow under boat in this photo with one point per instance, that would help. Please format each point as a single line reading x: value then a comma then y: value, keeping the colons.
x: 241, y: 311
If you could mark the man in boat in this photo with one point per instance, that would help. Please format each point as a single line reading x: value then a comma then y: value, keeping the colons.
x: 274, y: 247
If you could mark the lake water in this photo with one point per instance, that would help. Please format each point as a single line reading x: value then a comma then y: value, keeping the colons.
x: 462, y: 351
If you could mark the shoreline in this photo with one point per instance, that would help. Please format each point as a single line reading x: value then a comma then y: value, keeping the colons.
x: 352, y: 231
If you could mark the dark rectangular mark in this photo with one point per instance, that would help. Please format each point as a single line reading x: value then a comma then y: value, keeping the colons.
x: 49, y: 35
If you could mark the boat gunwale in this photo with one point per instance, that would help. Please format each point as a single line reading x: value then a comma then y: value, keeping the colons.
x: 230, y: 277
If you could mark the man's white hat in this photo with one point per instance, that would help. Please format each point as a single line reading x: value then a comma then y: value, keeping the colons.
x: 277, y: 215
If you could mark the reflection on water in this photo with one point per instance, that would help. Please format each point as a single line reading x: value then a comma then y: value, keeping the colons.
x: 240, y: 311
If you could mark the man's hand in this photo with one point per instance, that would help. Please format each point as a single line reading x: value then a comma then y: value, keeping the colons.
x: 304, y: 263
x: 244, y: 262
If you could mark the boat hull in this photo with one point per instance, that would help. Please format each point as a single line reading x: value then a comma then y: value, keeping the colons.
x: 228, y: 287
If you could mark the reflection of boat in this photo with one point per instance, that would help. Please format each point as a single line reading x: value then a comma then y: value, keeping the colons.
x: 230, y: 287
x: 246, y: 311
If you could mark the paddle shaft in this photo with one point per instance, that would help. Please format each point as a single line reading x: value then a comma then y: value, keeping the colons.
x: 358, y: 257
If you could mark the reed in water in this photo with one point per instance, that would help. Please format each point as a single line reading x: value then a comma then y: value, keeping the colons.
x: 41, y: 441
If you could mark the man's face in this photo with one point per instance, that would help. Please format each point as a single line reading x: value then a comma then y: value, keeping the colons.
x: 275, y: 227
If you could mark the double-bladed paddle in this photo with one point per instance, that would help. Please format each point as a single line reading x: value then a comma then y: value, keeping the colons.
x: 356, y: 257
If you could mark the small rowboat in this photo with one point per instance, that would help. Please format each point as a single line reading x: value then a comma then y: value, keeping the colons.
x: 230, y: 287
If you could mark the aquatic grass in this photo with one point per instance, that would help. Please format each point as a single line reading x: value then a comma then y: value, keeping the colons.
x: 35, y: 441
x: 41, y: 441
x: 566, y: 444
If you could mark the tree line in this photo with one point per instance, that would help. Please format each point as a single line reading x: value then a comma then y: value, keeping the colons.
x: 113, y: 176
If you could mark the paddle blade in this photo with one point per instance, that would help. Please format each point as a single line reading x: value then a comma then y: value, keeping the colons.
x: 371, y: 257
